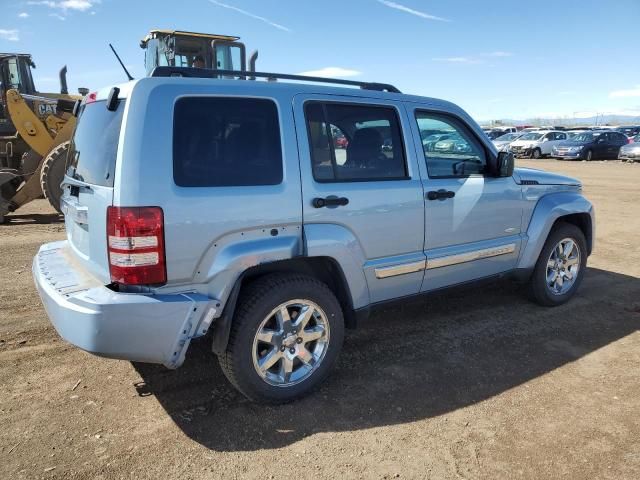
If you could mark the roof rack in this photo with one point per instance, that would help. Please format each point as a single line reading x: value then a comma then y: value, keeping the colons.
x: 207, y: 73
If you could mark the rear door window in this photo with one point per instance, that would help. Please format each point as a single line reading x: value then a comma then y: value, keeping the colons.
x: 94, y: 146
x: 225, y: 142
x: 353, y: 142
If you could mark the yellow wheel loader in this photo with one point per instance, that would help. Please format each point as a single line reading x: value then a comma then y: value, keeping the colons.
x: 35, y: 129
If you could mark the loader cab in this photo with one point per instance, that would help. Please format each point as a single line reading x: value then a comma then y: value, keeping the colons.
x: 175, y: 48
x: 15, y: 72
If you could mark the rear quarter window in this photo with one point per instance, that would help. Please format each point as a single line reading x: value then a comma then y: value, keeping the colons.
x: 224, y: 142
x: 94, y: 145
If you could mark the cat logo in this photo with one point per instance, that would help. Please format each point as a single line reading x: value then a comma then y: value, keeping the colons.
x: 46, y: 109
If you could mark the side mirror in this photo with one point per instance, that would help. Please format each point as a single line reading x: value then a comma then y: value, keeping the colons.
x: 504, y: 164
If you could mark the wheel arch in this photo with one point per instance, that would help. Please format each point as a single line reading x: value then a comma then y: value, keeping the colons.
x: 324, y: 268
x: 570, y: 207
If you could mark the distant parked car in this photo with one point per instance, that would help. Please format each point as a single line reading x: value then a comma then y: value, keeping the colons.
x: 629, y: 131
x: 453, y: 144
x: 631, y: 151
x: 603, y: 144
x: 537, y: 144
x: 499, y: 131
x: 431, y: 140
x: 503, y: 142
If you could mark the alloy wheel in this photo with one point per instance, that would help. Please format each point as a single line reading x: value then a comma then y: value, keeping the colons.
x: 290, y: 343
x: 563, y: 266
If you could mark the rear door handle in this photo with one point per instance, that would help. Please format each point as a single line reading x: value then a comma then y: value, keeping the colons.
x: 441, y: 194
x: 330, y: 201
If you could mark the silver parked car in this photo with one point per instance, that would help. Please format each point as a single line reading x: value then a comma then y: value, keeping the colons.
x: 631, y: 151
x: 199, y: 205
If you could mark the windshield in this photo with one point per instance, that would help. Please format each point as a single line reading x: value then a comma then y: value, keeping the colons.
x: 531, y: 136
x: 507, y: 137
x: 585, y: 137
x: 92, y: 153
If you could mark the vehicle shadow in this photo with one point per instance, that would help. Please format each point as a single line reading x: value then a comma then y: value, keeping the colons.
x: 34, y: 218
x: 431, y: 356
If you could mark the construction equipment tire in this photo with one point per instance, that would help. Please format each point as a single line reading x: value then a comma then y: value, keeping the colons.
x: 52, y: 174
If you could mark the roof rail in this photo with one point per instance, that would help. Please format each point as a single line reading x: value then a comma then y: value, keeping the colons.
x: 207, y: 73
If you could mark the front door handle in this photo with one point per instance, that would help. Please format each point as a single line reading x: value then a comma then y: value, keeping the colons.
x: 441, y: 194
x: 330, y: 202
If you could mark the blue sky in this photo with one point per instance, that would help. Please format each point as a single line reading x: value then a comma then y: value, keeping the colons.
x: 497, y: 59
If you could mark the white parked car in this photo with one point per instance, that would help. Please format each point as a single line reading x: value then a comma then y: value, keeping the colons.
x: 537, y: 144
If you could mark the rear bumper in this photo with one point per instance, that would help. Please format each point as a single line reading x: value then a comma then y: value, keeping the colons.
x: 130, y: 326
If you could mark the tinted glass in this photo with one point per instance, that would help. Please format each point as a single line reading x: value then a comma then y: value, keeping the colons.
x: 354, y: 142
x: 455, y: 152
x: 223, y: 142
x: 93, y: 149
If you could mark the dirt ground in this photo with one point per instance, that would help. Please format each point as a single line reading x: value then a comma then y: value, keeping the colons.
x: 476, y: 383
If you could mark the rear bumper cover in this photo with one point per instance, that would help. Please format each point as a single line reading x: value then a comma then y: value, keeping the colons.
x: 131, y: 326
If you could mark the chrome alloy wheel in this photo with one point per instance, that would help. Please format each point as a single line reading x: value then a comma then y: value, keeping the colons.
x: 290, y: 343
x: 563, y: 266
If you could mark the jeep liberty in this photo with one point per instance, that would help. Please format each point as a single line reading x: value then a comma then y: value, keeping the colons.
x: 197, y: 205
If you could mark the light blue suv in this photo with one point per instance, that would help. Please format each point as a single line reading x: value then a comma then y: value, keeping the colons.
x: 229, y: 207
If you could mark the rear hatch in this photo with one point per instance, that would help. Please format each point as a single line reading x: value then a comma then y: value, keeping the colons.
x: 89, y: 180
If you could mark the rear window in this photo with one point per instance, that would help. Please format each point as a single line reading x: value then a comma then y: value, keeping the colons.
x: 226, y: 142
x: 93, y: 149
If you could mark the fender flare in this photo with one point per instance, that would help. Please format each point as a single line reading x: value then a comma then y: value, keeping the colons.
x: 548, y: 210
x: 333, y: 242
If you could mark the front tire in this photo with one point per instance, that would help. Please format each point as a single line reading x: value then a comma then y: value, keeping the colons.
x: 588, y: 155
x: 285, y: 338
x: 560, y: 266
x: 536, y: 153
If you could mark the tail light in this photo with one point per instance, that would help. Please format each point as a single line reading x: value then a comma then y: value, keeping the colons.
x: 135, y: 243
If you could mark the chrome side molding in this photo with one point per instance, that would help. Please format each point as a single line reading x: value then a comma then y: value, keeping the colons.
x: 439, y: 262
x: 470, y: 256
x: 402, y: 269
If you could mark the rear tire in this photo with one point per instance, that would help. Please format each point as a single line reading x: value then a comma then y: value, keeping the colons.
x: 52, y: 174
x: 279, y: 350
x: 557, y: 276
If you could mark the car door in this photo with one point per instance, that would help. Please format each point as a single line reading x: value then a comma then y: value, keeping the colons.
x: 601, y: 145
x: 366, y: 198
x: 473, y: 222
x: 547, y: 142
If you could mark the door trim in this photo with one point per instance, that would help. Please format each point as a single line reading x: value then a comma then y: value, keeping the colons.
x: 402, y: 269
x: 465, y: 257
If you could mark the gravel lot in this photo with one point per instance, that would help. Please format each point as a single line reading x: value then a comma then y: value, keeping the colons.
x: 476, y: 383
